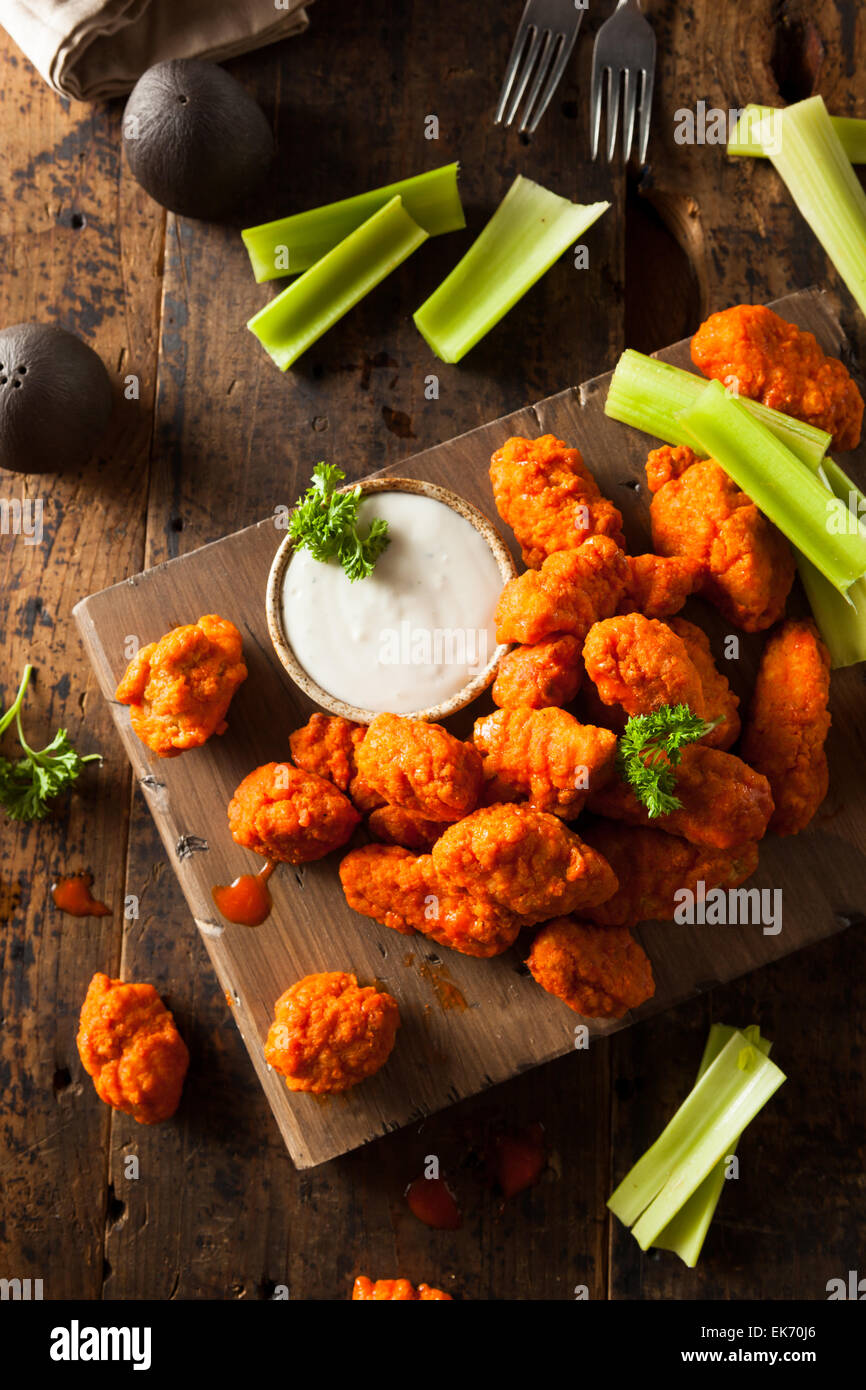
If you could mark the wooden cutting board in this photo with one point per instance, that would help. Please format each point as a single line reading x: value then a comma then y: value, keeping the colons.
x: 466, y: 1024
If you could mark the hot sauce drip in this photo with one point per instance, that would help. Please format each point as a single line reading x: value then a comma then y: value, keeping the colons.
x: 72, y: 894
x: 431, y: 1200
x: 246, y: 902
x: 516, y: 1160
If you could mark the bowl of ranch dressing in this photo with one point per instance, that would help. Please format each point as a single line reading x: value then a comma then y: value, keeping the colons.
x: 417, y: 637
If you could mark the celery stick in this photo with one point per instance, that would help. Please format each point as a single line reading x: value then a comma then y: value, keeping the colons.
x: 784, y: 488
x: 293, y: 244
x: 730, y: 1093
x: 821, y: 180
x: 686, y: 1232
x: 649, y: 395
x: 323, y: 294
x: 529, y: 230
x: 746, y: 140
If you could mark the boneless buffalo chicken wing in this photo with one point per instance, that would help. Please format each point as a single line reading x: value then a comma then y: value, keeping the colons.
x: 547, y: 674
x: 781, y: 365
x: 179, y: 688
x: 420, y: 767
x: 290, y: 815
x: 405, y: 891
x: 395, y: 1291
x: 599, y: 972
x: 698, y: 512
x: 328, y: 746
x: 724, y: 802
x: 658, y: 585
x: 571, y: 591
x: 524, y: 859
x: 394, y: 826
x: 547, y: 495
x: 329, y: 1033
x: 720, y: 702
x: 129, y: 1045
x: 546, y: 755
x: 652, y: 867
x: 641, y: 664
x: 789, y: 721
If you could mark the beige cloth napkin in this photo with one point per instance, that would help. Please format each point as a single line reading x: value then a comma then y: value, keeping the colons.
x: 90, y: 49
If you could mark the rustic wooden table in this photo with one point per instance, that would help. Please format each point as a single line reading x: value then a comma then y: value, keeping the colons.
x: 216, y: 439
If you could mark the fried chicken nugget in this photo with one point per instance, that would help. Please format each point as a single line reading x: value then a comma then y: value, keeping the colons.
x: 546, y: 755
x: 640, y: 664
x: 128, y: 1043
x: 547, y: 674
x: 547, y: 495
x: 395, y: 1291
x: 788, y: 723
x: 328, y: 745
x: 571, y: 591
x: 775, y: 362
x: 179, y: 688
x: 658, y: 585
x: 725, y: 802
x: 653, y: 867
x: 405, y: 892
x: 524, y: 859
x: 699, y: 512
x: 599, y: 972
x: 329, y: 1034
x: 720, y: 701
x: 394, y: 826
x: 290, y: 815
x: 420, y: 767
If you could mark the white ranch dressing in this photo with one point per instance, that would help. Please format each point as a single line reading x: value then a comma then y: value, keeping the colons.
x: 417, y: 629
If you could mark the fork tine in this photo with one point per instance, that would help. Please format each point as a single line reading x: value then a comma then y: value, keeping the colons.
x: 525, y: 74
x: 629, y: 107
x: 613, y: 86
x: 513, y: 63
x: 595, y: 109
x: 559, y: 65
x: 548, y: 51
x: 646, y: 102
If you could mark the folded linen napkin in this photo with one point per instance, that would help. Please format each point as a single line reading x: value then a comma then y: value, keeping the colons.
x: 91, y: 49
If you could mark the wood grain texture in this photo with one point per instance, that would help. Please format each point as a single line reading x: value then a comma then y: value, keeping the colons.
x: 219, y: 1211
x: 504, y: 1024
x: 81, y: 246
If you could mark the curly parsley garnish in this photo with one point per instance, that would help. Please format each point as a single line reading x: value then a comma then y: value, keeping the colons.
x: 650, y: 749
x: 28, y: 784
x: 325, y: 522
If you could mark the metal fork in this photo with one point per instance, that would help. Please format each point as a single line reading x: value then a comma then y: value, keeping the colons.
x: 625, y: 47
x: 545, y: 38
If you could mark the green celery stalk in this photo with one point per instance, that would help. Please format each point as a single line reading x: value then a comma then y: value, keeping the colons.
x: 821, y: 180
x: 431, y: 199
x: 527, y: 233
x: 686, y: 1232
x: 841, y: 620
x: 746, y: 140
x: 649, y: 395
x: 323, y: 294
x: 786, y: 491
x: 727, y: 1098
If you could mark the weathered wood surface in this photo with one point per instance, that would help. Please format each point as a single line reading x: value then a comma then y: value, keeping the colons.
x: 219, y: 1211
x: 503, y: 1024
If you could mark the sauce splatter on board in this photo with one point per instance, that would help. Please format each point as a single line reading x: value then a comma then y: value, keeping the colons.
x: 71, y: 894
x: 246, y: 901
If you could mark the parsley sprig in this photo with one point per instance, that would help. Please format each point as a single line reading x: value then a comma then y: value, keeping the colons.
x: 650, y: 749
x: 28, y: 784
x: 325, y: 522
